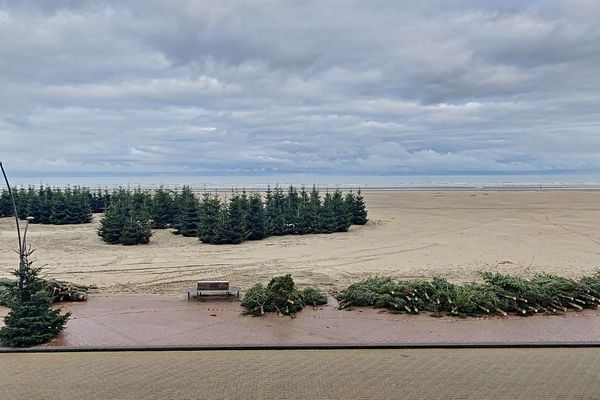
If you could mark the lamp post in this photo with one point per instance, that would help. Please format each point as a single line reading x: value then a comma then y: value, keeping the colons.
x: 21, y: 243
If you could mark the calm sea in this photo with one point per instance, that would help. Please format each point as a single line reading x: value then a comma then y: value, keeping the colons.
x: 405, y: 182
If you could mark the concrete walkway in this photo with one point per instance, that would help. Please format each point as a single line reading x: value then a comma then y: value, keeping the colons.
x: 155, y: 320
x: 527, y: 374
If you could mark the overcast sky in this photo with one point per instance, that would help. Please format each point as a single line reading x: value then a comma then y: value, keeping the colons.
x: 347, y: 87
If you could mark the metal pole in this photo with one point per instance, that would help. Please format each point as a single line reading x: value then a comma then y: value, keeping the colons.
x: 21, y: 250
x: 27, y: 221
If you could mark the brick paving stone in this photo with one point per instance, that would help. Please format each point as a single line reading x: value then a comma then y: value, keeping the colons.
x: 527, y: 374
x: 157, y: 320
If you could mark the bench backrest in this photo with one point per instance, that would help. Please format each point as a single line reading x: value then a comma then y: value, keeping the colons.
x: 213, y: 285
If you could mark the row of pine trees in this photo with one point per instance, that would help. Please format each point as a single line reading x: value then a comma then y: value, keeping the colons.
x: 131, y: 215
x: 52, y: 205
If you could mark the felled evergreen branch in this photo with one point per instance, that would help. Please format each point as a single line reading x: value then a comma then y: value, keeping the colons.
x: 280, y: 296
x: 499, y: 294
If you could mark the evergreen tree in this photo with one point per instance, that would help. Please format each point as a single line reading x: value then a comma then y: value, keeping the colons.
x: 236, y: 221
x: 342, y: 219
x: 113, y: 222
x: 255, y: 218
x: 208, y: 225
x: 6, y: 208
x: 244, y: 202
x: 78, y: 207
x: 45, y: 196
x: 349, y: 204
x: 304, y: 214
x: 359, y: 211
x: 222, y: 231
x: 328, y: 217
x: 34, y: 206
x: 162, y: 209
x: 187, y: 218
x: 314, y: 210
x: 269, y: 212
x: 136, y: 229
x: 58, y: 208
x: 31, y: 320
x: 276, y: 213
x: 21, y: 201
x: 291, y: 211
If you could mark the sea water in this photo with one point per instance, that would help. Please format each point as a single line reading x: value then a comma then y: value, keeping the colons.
x: 366, y: 182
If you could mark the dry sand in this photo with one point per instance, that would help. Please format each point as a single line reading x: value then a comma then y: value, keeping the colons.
x: 410, y: 234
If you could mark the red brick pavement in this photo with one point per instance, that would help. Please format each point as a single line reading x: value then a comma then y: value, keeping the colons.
x: 157, y: 320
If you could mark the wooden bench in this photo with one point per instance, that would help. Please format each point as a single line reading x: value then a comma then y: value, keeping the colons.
x: 206, y: 289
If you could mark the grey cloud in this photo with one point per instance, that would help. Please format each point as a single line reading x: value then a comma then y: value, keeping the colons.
x: 322, y: 87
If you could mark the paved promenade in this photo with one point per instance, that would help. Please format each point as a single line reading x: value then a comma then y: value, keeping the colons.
x: 527, y: 374
x: 154, y: 320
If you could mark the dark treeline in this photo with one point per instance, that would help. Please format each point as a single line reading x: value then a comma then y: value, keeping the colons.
x: 241, y: 217
x: 252, y: 217
x: 127, y: 219
x: 49, y: 205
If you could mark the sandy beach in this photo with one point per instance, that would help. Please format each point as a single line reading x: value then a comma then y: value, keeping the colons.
x: 410, y: 235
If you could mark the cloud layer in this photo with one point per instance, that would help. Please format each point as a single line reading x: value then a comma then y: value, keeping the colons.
x: 353, y: 87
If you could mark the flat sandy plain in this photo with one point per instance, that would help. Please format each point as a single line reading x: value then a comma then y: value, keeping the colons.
x: 411, y: 234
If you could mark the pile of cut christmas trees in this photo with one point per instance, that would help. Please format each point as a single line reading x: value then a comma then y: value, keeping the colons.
x: 498, y: 294
x: 281, y: 296
x: 58, y: 290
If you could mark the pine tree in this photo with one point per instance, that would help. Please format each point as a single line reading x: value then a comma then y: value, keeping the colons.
x: 236, y: 221
x: 113, y: 222
x: 45, y: 196
x: 222, y: 231
x: 209, y: 214
x: 58, y: 208
x: 255, y: 218
x: 291, y: 211
x: 359, y: 211
x: 244, y: 203
x: 187, y: 218
x: 276, y: 212
x: 31, y: 320
x: 78, y: 208
x: 136, y: 229
x: 269, y: 212
x: 349, y: 204
x: 6, y: 208
x: 315, y: 210
x: 34, y: 206
x: 328, y: 217
x: 342, y: 219
x: 162, y: 209
x: 97, y: 201
x: 304, y: 214
x: 21, y: 200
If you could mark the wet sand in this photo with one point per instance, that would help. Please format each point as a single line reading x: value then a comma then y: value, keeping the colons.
x: 410, y: 234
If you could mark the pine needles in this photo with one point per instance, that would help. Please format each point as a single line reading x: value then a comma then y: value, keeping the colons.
x: 280, y: 296
x: 499, y: 294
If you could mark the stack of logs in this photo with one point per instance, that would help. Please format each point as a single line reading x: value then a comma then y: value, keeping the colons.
x: 65, y: 291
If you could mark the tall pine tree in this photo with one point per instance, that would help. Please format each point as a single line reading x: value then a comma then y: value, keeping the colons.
x: 255, y: 218
x: 315, y: 210
x: 236, y: 221
x: 162, y: 209
x: 187, y: 218
x: 359, y: 211
x: 31, y: 320
x: 304, y: 222
x: 342, y: 219
x: 328, y: 217
x: 113, y: 222
x: 209, y: 216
